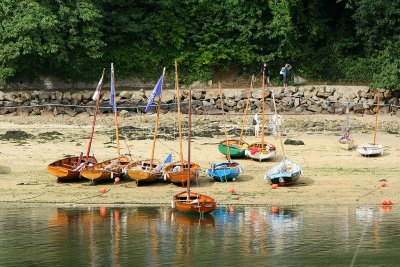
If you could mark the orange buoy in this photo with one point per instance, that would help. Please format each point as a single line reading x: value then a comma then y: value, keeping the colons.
x: 383, y: 184
x: 103, y: 212
x: 384, y: 202
x: 389, y: 202
x: 232, y: 190
x: 274, y: 186
x: 231, y: 210
x: 103, y: 190
x: 117, y: 179
x: 274, y: 210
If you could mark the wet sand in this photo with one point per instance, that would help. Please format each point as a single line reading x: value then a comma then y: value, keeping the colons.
x: 331, y: 176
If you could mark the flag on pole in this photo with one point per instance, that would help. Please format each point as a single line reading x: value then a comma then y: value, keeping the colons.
x: 156, y: 92
x: 112, y: 86
x: 168, y: 159
x: 96, y: 93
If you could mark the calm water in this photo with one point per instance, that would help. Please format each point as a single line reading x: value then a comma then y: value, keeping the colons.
x: 231, y: 236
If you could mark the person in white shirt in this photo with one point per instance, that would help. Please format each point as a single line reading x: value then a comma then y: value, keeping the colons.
x: 276, y: 120
x: 256, y: 124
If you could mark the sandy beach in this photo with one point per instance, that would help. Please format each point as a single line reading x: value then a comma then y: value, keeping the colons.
x: 331, y: 176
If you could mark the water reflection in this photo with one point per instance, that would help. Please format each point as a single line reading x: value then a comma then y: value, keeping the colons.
x: 236, y: 236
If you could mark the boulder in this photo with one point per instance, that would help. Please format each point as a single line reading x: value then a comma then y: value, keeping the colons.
x: 125, y: 95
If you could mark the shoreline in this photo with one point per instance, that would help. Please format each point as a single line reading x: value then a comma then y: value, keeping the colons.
x: 331, y: 176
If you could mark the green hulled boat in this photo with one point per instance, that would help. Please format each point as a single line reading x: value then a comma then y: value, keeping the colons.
x: 237, y: 148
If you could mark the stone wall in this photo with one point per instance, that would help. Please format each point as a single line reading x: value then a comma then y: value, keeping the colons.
x: 292, y: 100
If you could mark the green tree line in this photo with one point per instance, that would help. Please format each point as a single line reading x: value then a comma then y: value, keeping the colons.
x: 349, y: 41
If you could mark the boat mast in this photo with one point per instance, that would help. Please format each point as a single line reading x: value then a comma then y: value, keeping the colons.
x: 94, y: 117
x: 277, y: 125
x: 157, y: 117
x: 189, y: 136
x: 376, y: 119
x: 228, y: 155
x: 178, y: 100
x: 263, y: 108
x: 247, y: 107
x: 115, y: 113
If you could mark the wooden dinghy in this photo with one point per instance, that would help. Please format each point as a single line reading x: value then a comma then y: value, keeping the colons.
x: 237, y: 148
x: 69, y: 169
x: 179, y: 172
x: 106, y: 170
x: 229, y: 170
x: 144, y: 171
x: 261, y: 151
x: 188, y: 201
x: 284, y: 173
x: 193, y: 202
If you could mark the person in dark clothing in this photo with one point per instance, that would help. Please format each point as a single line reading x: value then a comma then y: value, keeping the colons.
x: 285, y: 71
x: 266, y: 75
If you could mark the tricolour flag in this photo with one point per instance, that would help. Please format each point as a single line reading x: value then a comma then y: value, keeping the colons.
x: 168, y: 159
x: 112, y: 86
x: 97, y: 92
x: 156, y: 92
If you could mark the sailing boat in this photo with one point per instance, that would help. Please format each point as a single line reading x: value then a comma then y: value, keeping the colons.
x: 181, y: 171
x: 261, y: 150
x: 188, y: 201
x: 69, y: 168
x: 346, y: 142
x: 111, y: 168
x: 285, y: 172
x: 149, y: 170
x: 229, y: 170
x: 372, y: 149
x: 237, y: 148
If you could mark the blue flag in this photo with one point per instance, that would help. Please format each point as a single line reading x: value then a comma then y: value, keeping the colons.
x: 112, y: 94
x: 156, y: 92
x: 168, y: 159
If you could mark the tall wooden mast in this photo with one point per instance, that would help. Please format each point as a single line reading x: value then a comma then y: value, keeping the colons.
x: 178, y: 100
x: 115, y: 113
x: 263, y: 109
x: 95, y: 115
x: 228, y: 155
x: 189, y: 137
x: 247, y: 108
x: 157, y: 117
x: 376, y: 119
x: 277, y: 125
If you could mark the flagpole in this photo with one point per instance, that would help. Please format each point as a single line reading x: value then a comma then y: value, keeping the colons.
x: 179, y: 111
x: 115, y: 113
x: 94, y: 117
x: 157, y: 117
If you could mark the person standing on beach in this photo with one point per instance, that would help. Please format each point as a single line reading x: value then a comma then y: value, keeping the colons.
x: 264, y: 70
x: 276, y: 120
x: 256, y: 124
x: 285, y: 72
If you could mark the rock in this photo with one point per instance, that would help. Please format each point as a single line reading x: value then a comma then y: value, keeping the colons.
x: 299, y: 80
x: 137, y: 96
x: 206, y: 103
x: 70, y: 112
x: 293, y: 142
x: 214, y: 111
x: 2, y: 96
x: 211, y: 94
x: 168, y: 96
x: 87, y: 95
x: 46, y: 112
x: 77, y: 97
x: 125, y: 95
x: 315, y: 108
x: 124, y: 114
x: 10, y: 96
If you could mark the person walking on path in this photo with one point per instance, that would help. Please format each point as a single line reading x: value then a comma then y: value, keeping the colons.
x: 256, y: 124
x: 285, y: 72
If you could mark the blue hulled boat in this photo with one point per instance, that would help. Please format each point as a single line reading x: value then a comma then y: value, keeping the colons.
x: 284, y: 173
x: 225, y: 172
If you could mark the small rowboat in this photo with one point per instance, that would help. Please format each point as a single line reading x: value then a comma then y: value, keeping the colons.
x: 68, y: 169
x: 225, y: 172
x: 237, y: 148
x: 284, y: 173
x: 370, y: 150
x: 177, y: 172
x: 193, y: 203
x: 106, y: 170
x: 144, y: 171
x: 261, y: 151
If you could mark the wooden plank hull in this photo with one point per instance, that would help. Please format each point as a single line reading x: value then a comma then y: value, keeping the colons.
x: 68, y: 169
x: 260, y: 152
x: 144, y: 171
x: 177, y: 172
x: 370, y: 150
x: 224, y: 172
x: 237, y: 148
x: 284, y: 173
x: 106, y: 170
x: 196, y: 203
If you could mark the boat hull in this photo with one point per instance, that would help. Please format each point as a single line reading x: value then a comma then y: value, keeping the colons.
x: 237, y: 148
x: 347, y: 144
x: 370, y: 150
x: 68, y: 169
x: 260, y: 151
x: 284, y: 173
x: 144, y: 171
x: 224, y: 172
x: 106, y: 170
x: 196, y: 203
x: 180, y: 175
